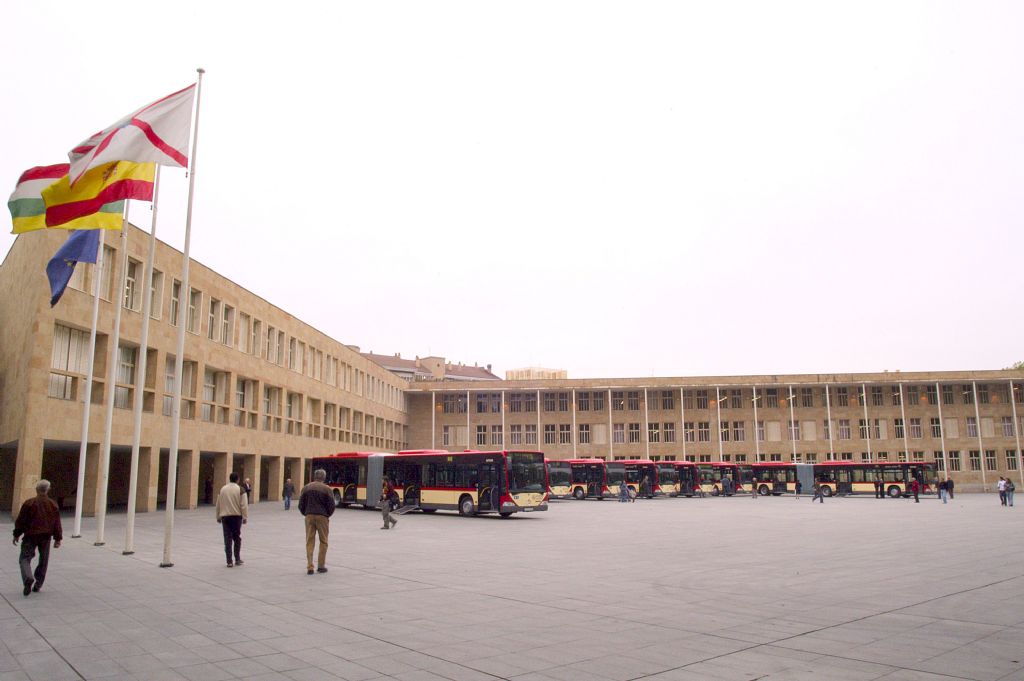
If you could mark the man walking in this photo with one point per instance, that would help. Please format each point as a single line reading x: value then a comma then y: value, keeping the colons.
x: 232, y: 513
x: 915, y: 489
x: 288, y: 492
x: 818, y: 494
x: 949, y: 487
x: 38, y: 521
x: 316, y: 503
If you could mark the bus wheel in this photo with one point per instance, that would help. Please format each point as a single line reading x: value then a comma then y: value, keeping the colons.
x: 506, y: 514
x: 894, y: 492
x: 578, y: 494
x: 826, y: 491
x: 466, y: 506
x: 763, y: 490
x: 337, y: 498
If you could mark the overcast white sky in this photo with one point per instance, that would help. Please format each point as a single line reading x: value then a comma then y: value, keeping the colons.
x: 617, y: 189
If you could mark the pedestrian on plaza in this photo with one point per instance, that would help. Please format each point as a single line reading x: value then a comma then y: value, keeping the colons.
x: 388, y: 502
x: 248, y: 490
x: 316, y: 503
x: 39, y: 521
x: 949, y: 487
x: 943, y: 492
x: 1010, y: 488
x: 208, y: 491
x: 818, y: 494
x: 623, y: 492
x: 1001, y: 488
x: 915, y: 489
x: 797, y: 489
x: 753, y: 488
x: 232, y: 513
x: 727, y: 486
x: 645, y: 485
x: 879, y: 487
x: 288, y: 492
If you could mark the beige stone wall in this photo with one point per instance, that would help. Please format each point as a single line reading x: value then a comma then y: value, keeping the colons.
x: 32, y: 423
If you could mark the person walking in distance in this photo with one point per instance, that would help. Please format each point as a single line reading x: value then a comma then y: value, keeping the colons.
x: 879, y: 486
x: 818, y: 494
x: 1010, y: 489
x: 949, y: 487
x: 316, y: 503
x: 797, y: 489
x: 248, y: 490
x: 753, y: 488
x: 288, y: 492
x: 387, y: 493
x: 38, y: 522
x: 943, y: 492
x: 232, y: 513
x: 1001, y: 488
x: 915, y: 489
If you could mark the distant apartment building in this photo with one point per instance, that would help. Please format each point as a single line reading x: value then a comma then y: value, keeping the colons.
x: 430, y: 368
x: 536, y: 374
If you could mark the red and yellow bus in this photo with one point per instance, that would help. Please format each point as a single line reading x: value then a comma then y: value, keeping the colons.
x: 559, y: 479
x: 641, y: 476
x: 470, y: 482
x: 588, y: 479
x: 847, y: 477
x: 775, y: 477
x: 679, y: 478
x: 713, y: 477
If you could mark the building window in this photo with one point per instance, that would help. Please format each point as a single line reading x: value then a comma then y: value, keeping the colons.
x: 736, y: 398
x: 842, y: 396
x: 125, y: 377
x: 877, y: 398
x: 530, y: 400
x: 583, y: 401
x: 760, y: 431
x: 549, y: 401
x: 446, y: 436
x: 549, y: 434
x: 913, y: 395
x: 132, y: 299
x: 974, y: 460
x: 531, y: 434
x: 898, y: 424
x: 634, y: 433
x: 915, y: 428
x: 633, y: 400
x: 738, y: 434
x: 564, y: 434
x: 844, y: 429
x: 669, y: 431
x: 723, y: 431
x: 668, y: 400
x: 227, y: 325
x: 1011, y: 459
x: 618, y: 433
x: 70, y: 354
x: 936, y: 427
x: 806, y: 397
x: 1008, y: 426
x: 175, y: 301
x: 827, y: 432
x: 972, y: 427
x: 212, y: 321
x: 515, y: 402
x: 932, y: 394
x: 794, y: 430
x: 618, y: 401
x: 947, y: 397
x: 584, y: 434
x: 897, y: 396
x: 990, y: 457
x: 654, y: 432
x: 195, y: 298
x: 688, y: 399
x: 968, y: 393
x: 563, y: 401
x: 515, y: 434
x: 917, y: 456
x: 983, y: 393
x: 599, y: 401
x: 689, y: 434
x: 954, y: 460
x: 704, y: 431
x: 496, y: 436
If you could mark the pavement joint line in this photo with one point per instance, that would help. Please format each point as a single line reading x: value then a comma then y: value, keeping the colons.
x: 841, y: 624
x: 41, y: 635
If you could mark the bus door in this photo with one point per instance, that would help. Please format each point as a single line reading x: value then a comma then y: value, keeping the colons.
x: 488, y: 487
x: 595, y: 481
x: 844, y: 481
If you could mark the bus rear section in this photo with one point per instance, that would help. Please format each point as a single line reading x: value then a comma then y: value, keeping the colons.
x: 350, y: 474
x: 688, y: 477
x: 559, y: 479
x: 849, y: 478
x: 775, y: 478
x: 589, y: 479
x: 668, y: 479
x: 641, y: 477
x: 720, y: 478
x: 471, y: 482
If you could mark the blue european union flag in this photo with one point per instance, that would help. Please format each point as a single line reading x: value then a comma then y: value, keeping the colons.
x: 81, y: 246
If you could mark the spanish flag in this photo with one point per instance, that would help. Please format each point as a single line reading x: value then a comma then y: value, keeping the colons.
x: 66, y: 206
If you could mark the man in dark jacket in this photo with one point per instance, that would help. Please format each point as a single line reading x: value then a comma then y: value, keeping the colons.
x: 316, y: 503
x: 38, y: 521
x: 288, y: 492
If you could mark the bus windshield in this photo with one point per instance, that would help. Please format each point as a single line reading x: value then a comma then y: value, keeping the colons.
x: 558, y: 474
x: 527, y: 472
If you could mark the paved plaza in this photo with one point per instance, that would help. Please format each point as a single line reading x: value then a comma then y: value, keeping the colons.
x: 687, y: 589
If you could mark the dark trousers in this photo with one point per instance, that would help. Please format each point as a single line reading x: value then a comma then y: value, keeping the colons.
x: 29, y: 544
x: 232, y: 526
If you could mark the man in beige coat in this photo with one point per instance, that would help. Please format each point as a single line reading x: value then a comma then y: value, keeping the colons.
x: 232, y: 513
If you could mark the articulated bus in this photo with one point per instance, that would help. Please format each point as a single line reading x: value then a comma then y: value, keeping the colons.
x: 588, y: 479
x: 845, y: 477
x: 775, y: 478
x: 634, y: 471
x: 559, y: 479
x: 713, y: 475
x: 678, y: 478
x: 470, y: 482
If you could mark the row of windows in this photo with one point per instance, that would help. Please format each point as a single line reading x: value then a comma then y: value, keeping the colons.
x: 732, y: 398
x: 220, y: 328
x: 1010, y: 461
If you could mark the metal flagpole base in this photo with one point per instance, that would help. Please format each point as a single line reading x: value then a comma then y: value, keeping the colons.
x: 98, y: 543
x: 166, y: 564
x: 127, y: 553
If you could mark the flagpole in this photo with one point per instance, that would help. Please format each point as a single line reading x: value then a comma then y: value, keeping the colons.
x: 140, y: 376
x: 84, y: 444
x: 179, y: 355
x: 103, y: 474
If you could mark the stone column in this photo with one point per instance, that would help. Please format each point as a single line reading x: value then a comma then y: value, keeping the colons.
x: 276, y: 481
x: 27, y: 469
x: 186, y: 494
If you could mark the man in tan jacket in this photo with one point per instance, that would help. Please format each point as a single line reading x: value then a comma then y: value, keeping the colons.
x: 232, y: 513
